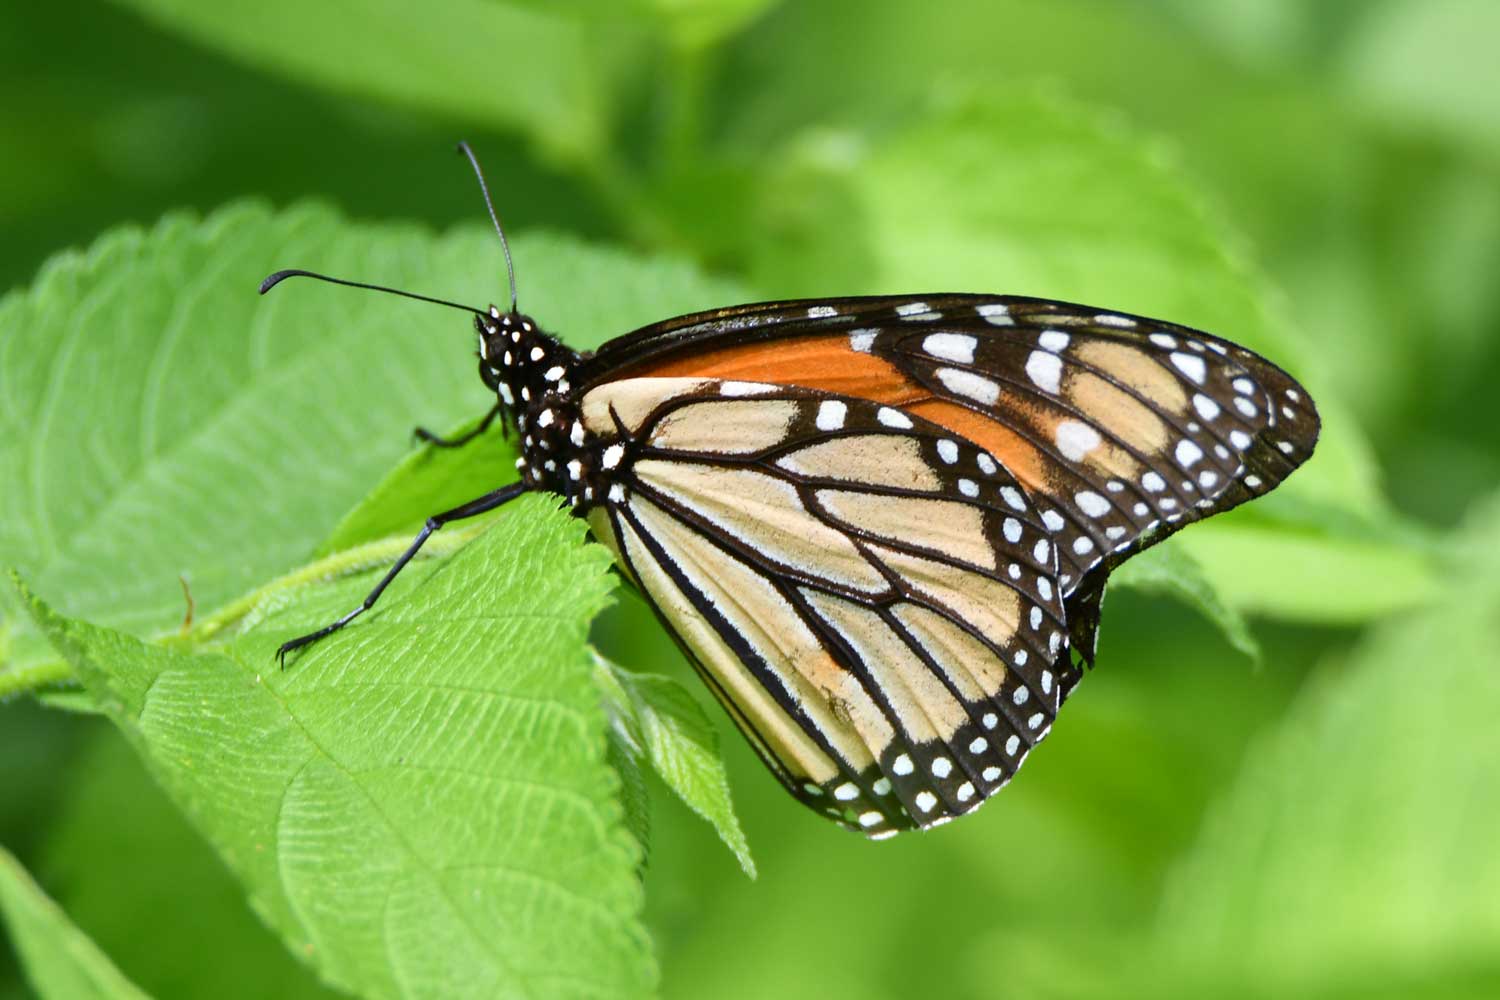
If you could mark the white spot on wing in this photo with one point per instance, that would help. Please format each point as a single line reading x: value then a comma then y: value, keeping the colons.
x: 1076, y: 439
x: 733, y: 388
x: 995, y: 313
x: 831, y: 413
x: 947, y: 451
x: 956, y: 347
x: 821, y: 312
x: 1190, y: 365
x: 862, y: 341
x: 969, y: 385
x: 1053, y: 340
x: 893, y: 418
x: 1045, y: 369
x: 1092, y: 503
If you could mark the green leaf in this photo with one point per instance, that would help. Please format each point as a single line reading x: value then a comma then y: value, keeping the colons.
x: 159, y: 419
x: 119, y: 855
x: 428, y: 480
x: 420, y: 803
x: 659, y: 722
x: 1167, y: 569
x: 488, y: 63
x: 61, y: 962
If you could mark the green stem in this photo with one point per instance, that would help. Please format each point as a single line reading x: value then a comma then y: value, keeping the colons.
x: 247, y: 611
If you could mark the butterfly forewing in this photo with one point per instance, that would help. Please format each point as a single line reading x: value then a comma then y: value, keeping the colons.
x: 871, y: 596
x: 1120, y: 429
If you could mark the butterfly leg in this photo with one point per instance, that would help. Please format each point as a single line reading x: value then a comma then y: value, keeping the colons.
x: 423, y: 434
x: 473, y: 508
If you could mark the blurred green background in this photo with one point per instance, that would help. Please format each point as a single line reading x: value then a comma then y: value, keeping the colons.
x: 1322, y: 823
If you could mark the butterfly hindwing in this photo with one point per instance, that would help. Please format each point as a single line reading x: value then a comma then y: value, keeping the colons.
x: 873, y: 598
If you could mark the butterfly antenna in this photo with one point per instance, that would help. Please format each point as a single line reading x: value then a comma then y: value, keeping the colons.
x: 275, y: 279
x: 510, y: 268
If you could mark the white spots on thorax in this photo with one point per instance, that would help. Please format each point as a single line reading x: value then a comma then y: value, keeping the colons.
x: 955, y: 347
x: 1091, y: 503
x: 612, y: 455
x: 545, y: 418
x: 525, y: 394
x: 1013, y: 498
x: 538, y: 353
x: 1206, y: 407
x: 735, y: 388
x: 821, y: 312
x: 968, y: 487
x: 1053, y: 520
x: 1187, y: 453
x: 506, y: 359
x: 515, y: 336
x: 902, y: 765
x: 575, y: 434
x: 1053, y: 340
x: 1163, y: 340
x: 889, y: 417
x: 846, y: 791
x: 575, y: 469
x: 1012, y: 530
x: 1076, y: 439
x: 1045, y: 370
x: 494, y: 312
x: 970, y: 385
x: 942, y: 767
x: 831, y: 414
x: 1190, y: 365
x: 995, y: 313
x: 506, y: 395
x: 947, y: 450
x: 554, y: 373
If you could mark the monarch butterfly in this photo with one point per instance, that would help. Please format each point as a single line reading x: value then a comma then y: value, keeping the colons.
x: 880, y: 527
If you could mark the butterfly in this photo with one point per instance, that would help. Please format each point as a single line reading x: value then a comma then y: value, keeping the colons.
x: 880, y: 527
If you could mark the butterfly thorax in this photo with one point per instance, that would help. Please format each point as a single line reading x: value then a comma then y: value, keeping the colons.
x: 531, y: 371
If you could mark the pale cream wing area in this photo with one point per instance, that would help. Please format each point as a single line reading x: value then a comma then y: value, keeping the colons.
x: 872, y: 599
